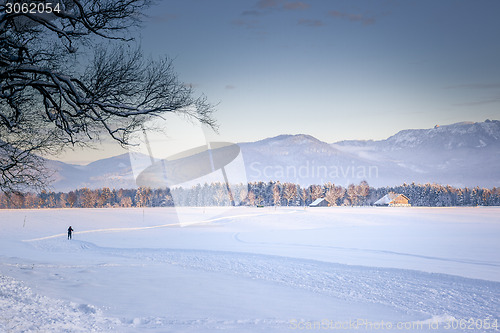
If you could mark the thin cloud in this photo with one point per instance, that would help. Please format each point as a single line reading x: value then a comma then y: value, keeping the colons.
x: 352, y: 17
x: 166, y: 17
x: 296, y: 5
x: 266, y: 4
x: 251, y: 13
x: 311, y: 23
x: 248, y: 24
x: 230, y: 87
x: 266, y: 7
x: 280, y: 4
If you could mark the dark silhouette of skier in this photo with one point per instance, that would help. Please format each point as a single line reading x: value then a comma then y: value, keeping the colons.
x: 70, y: 232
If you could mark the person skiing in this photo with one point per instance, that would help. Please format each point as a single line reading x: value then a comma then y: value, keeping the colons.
x: 70, y: 232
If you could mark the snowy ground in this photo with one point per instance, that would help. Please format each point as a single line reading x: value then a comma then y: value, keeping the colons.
x: 250, y: 269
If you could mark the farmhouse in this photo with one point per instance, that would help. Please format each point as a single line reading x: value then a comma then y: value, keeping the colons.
x: 392, y: 199
x: 320, y: 202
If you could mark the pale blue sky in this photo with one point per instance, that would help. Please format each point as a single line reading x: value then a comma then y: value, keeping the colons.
x: 333, y: 69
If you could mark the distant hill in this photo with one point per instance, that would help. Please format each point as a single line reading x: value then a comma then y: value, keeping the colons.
x: 113, y: 172
x: 461, y: 154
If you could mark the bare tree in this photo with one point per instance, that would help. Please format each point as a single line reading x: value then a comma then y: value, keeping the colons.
x: 31, y: 200
x: 20, y: 164
x: 53, y: 93
x: 125, y: 202
x: 363, y: 190
x: 352, y: 194
x: 104, y: 198
x: 143, y: 197
x: 303, y: 196
x: 290, y: 192
x: 62, y: 201
x: 251, y: 198
x: 88, y: 197
x: 72, y: 199
x: 316, y: 191
x: 276, y: 194
x: 333, y: 194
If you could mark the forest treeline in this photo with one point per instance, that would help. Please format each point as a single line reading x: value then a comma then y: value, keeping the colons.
x: 252, y: 194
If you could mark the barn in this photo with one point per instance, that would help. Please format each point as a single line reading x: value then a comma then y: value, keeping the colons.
x: 392, y: 199
x: 320, y: 202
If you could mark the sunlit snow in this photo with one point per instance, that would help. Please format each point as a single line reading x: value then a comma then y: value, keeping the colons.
x: 248, y: 269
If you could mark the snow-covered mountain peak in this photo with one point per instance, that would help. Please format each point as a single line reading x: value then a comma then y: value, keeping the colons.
x: 459, y: 135
x: 290, y: 139
x: 293, y: 143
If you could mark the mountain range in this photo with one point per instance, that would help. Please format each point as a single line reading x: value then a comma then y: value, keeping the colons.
x: 461, y: 154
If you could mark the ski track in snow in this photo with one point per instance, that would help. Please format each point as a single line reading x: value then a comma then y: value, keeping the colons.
x: 183, y: 224
x: 410, y: 291
x: 238, y: 238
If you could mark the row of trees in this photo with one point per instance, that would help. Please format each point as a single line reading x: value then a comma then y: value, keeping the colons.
x: 252, y: 194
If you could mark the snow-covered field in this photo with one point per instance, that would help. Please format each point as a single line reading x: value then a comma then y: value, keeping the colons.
x: 250, y: 269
